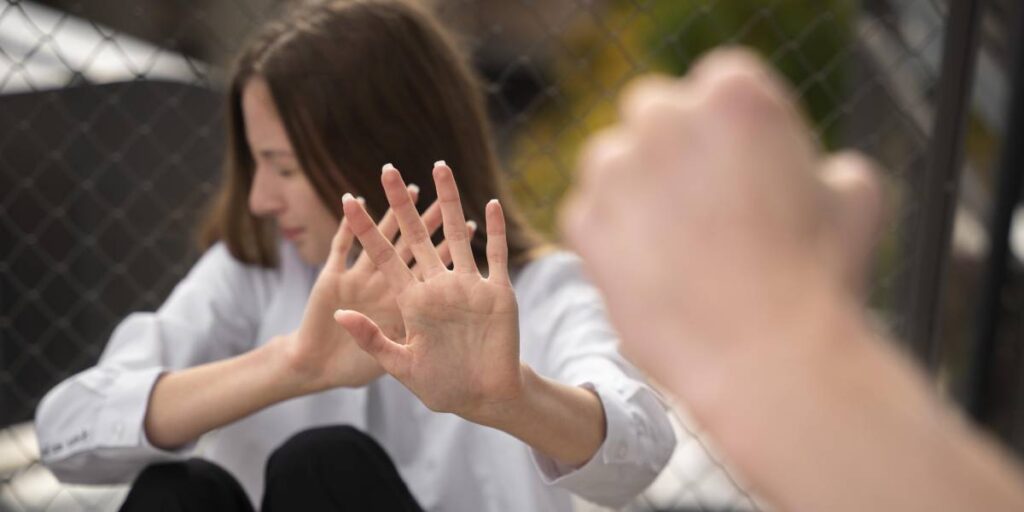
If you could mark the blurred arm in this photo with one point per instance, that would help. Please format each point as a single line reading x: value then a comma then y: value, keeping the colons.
x: 831, y: 417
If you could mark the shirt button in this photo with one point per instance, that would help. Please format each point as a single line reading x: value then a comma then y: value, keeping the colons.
x: 638, y: 421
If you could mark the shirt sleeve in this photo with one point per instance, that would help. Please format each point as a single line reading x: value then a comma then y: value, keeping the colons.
x: 90, y: 427
x: 568, y: 323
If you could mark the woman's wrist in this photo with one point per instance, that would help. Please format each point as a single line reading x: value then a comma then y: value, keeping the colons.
x: 502, y: 413
x: 187, y: 403
x: 305, y: 366
x: 563, y: 422
x: 291, y: 376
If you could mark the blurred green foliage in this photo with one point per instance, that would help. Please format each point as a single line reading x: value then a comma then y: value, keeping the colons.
x: 808, y: 42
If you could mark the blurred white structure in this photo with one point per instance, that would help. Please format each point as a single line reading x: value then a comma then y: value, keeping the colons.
x: 42, y: 48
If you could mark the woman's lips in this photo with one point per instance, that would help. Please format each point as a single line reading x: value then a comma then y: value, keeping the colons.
x: 291, y: 233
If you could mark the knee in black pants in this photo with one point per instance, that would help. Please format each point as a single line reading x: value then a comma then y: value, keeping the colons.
x: 334, y: 468
x: 339, y: 448
x: 192, y: 485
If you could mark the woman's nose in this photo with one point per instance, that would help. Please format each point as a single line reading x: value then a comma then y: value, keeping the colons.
x: 264, y: 196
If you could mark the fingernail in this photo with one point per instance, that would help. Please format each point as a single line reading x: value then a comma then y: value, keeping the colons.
x: 346, y: 198
x: 495, y: 201
x: 414, y: 188
x: 361, y: 200
x: 387, y: 167
x: 439, y: 163
x: 471, y: 224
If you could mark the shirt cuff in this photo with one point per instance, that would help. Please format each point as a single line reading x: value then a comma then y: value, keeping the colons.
x: 628, y: 460
x: 122, y: 420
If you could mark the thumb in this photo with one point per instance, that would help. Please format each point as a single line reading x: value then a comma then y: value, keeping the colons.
x: 391, y: 356
x: 853, y: 183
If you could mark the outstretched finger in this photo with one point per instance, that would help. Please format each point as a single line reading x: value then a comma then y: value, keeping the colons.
x: 444, y: 249
x: 432, y: 220
x: 497, y: 244
x: 389, y: 223
x: 388, y: 227
x: 337, y: 260
x: 413, y: 230
x: 454, y: 221
x: 391, y: 356
x: 376, y: 246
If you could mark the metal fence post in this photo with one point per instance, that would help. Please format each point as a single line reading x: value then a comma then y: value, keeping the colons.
x: 928, y: 242
x: 1008, y: 193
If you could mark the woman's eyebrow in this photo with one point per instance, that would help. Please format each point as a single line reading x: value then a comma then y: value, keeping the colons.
x: 273, y: 154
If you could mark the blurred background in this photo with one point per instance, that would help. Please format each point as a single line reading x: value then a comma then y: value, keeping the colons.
x: 111, y: 141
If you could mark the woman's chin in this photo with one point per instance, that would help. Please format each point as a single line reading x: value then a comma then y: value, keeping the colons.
x: 310, y: 254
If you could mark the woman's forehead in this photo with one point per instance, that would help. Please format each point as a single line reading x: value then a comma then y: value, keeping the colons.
x: 263, y: 126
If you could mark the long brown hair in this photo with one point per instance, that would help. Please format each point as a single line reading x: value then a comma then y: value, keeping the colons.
x: 359, y: 84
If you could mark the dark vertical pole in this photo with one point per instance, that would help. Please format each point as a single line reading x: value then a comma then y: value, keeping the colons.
x: 931, y: 224
x: 1007, y: 195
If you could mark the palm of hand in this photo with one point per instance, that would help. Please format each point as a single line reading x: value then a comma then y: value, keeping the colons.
x: 325, y: 355
x: 366, y: 290
x: 463, y: 341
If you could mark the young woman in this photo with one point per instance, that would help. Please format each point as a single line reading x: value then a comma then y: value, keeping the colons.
x: 245, y: 369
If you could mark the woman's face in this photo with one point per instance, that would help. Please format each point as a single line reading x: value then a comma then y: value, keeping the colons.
x: 280, y: 188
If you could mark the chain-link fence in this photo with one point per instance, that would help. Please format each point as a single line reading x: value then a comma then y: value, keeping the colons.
x: 111, y: 140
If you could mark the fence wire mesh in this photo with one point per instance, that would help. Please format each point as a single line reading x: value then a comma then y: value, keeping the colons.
x: 110, y: 143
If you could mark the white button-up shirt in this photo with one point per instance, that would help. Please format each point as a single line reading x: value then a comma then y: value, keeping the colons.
x: 90, y: 427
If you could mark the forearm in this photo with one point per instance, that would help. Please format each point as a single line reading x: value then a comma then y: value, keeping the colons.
x: 188, y: 403
x: 565, y: 423
x: 840, y: 421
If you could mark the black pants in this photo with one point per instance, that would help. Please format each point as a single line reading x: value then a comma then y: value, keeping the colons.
x: 329, y: 468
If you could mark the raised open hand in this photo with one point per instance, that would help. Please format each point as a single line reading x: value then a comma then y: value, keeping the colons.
x: 324, y: 356
x: 461, y: 353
